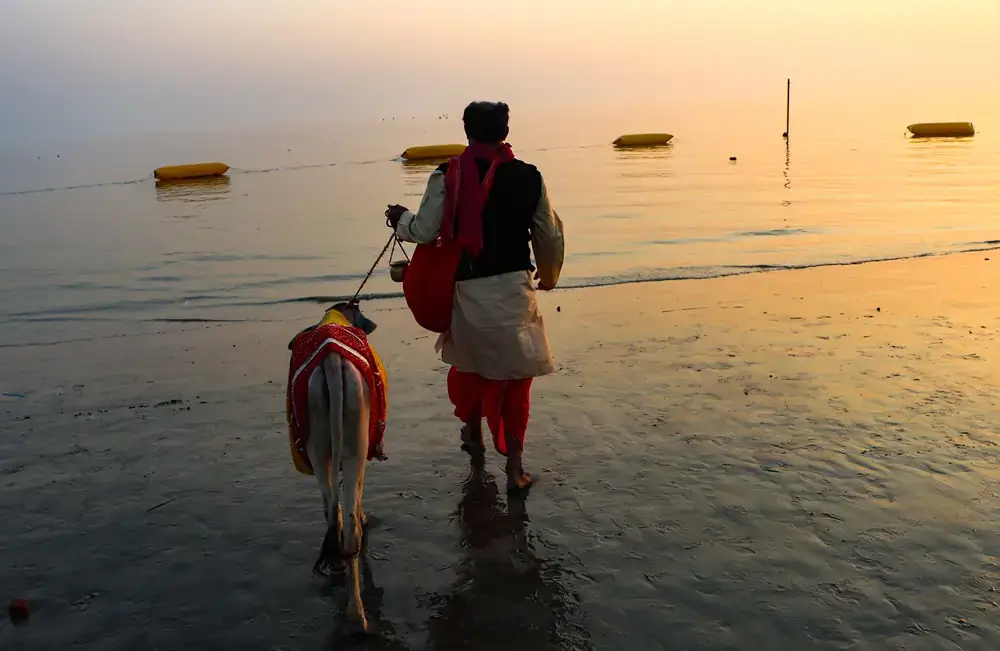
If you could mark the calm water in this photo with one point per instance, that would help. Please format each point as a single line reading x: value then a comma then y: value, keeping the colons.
x: 774, y: 478
x: 300, y: 217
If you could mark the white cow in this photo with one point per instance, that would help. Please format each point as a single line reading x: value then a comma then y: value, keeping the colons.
x: 337, y: 447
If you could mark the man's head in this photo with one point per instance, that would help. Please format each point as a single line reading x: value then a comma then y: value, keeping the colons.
x: 352, y: 312
x: 486, y: 122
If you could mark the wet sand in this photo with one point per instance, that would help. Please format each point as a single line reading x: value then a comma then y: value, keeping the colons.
x: 791, y: 460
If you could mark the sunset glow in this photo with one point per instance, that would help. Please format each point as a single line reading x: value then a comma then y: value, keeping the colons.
x: 72, y: 65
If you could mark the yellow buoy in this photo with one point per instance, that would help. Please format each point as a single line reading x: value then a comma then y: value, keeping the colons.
x: 430, y: 152
x: 643, y: 140
x: 194, y: 171
x: 942, y: 130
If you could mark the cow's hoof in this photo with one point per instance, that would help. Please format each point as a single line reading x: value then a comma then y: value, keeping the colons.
x: 355, y: 627
x: 325, y: 568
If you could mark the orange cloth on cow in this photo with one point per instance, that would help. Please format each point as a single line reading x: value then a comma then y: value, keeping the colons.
x: 334, y: 334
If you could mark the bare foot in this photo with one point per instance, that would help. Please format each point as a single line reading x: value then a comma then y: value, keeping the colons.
x: 473, y: 443
x: 520, y: 482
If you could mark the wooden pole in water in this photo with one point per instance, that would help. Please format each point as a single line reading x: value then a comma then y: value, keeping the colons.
x: 788, y: 109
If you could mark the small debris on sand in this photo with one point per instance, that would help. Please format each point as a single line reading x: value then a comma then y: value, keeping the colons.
x: 19, y: 610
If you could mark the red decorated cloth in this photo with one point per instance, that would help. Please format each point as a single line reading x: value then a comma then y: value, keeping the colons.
x: 309, y: 349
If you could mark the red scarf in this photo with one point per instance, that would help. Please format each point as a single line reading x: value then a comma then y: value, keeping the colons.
x: 429, y: 282
x: 465, y: 195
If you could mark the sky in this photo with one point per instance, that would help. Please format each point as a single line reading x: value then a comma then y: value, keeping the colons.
x: 92, y: 67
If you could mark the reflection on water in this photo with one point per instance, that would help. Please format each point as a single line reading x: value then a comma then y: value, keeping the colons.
x: 415, y: 172
x: 786, y: 171
x: 213, y: 188
x: 644, y: 162
x: 938, y: 152
x: 643, y: 153
x: 504, y: 596
x: 382, y: 633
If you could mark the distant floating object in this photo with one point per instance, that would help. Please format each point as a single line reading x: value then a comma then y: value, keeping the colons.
x: 193, y: 171
x: 431, y: 152
x: 732, y: 158
x: 643, y: 140
x: 942, y: 130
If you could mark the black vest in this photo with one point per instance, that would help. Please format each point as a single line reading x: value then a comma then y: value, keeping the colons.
x: 507, y: 218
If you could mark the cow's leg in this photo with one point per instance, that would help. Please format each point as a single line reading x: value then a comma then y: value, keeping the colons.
x: 325, y: 414
x: 318, y: 445
x: 356, y: 415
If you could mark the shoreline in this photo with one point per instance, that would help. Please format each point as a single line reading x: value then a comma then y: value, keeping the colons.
x: 382, y: 297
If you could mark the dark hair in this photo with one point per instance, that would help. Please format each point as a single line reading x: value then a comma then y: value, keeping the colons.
x: 486, y: 121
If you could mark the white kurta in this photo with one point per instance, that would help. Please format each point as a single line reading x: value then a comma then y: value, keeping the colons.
x: 496, y: 330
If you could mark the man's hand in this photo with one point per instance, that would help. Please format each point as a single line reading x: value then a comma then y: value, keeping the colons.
x: 393, y: 214
x: 540, y: 286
